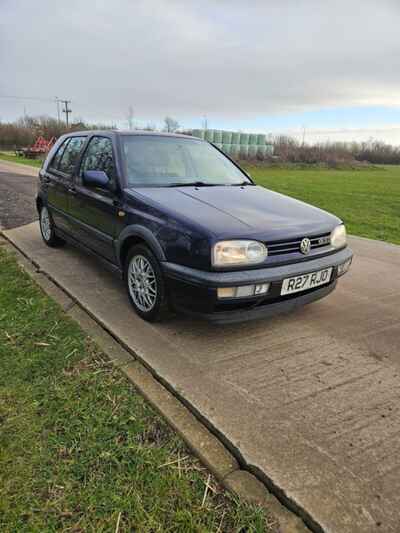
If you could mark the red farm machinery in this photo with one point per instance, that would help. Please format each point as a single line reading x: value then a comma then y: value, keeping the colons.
x: 38, y: 150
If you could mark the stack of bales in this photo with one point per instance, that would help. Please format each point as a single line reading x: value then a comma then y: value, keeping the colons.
x: 199, y: 133
x: 237, y: 145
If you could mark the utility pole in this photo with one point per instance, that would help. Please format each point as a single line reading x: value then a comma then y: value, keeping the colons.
x: 58, y: 109
x: 205, y: 123
x: 66, y: 110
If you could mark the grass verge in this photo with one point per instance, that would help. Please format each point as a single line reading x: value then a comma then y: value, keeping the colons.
x: 10, y: 156
x: 368, y: 200
x: 80, y: 450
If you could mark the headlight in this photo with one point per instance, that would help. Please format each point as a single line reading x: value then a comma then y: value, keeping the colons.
x: 338, y: 236
x: 234, y: 253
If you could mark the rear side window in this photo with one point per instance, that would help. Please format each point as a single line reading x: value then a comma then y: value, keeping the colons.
x: 99, y: 156
x: 56, y: 159
x: 70, y: 155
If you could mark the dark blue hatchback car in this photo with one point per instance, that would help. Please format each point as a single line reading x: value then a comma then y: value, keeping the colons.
x: 186, y: 227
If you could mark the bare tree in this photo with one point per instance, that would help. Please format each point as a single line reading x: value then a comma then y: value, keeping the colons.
x: 24, y: 132
x: 170, y: 124
x: 150, y: 126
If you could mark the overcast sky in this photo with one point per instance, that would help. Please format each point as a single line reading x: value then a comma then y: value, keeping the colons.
x: 330, y: 66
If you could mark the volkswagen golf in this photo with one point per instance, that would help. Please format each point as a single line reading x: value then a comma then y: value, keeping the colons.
x: 186, y: 228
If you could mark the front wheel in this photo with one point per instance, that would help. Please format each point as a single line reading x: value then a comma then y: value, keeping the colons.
x: 47, y: 229
x: 145, y: 283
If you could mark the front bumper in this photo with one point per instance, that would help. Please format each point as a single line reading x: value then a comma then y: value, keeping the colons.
x: 195, y: 291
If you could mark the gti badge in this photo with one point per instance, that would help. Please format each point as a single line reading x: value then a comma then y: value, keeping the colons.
x: 305, y: 246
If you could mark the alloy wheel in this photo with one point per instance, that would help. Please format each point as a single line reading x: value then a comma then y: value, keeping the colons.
x: 142, y: 283
x: 45, y: 223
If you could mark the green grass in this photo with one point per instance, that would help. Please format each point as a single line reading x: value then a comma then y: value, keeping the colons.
x: 10, y: 156
x: 79, y: 447
x: 368, y: 200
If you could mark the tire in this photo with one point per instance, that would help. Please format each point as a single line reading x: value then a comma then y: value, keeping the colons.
x: 145, y: 283
x: 47, y: 229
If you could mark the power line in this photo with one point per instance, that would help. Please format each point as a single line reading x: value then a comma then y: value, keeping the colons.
x: 15, y: 97
x: 40, y: 99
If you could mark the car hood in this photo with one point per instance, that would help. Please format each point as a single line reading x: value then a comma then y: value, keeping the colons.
x: 236, y: 212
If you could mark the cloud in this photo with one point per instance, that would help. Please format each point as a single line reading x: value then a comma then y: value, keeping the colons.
x: 229, y: 59
x: 384, y: 133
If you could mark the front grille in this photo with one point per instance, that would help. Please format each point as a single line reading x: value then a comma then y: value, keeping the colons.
x: 293, y: 246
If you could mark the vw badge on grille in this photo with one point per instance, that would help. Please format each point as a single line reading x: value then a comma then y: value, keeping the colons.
x: 305, y: 246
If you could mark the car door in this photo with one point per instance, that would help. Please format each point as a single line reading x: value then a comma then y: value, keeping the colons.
x: 58, y: 180
x: 55, y: 187
x: 94, y: 209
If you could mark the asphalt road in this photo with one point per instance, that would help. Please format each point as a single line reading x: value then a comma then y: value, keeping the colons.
x: 17, y: 195
x: 309, y: 401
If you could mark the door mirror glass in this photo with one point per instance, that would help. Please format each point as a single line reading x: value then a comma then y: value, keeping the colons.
x: 96, y: 178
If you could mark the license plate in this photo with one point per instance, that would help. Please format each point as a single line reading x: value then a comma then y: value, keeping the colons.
x: 306, y: 281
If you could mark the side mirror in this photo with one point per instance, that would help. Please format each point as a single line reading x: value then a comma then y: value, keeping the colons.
x: 96, y: 178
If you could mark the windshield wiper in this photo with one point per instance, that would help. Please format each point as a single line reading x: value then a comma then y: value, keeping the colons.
x: 194, y: 184
x: 242, y: 184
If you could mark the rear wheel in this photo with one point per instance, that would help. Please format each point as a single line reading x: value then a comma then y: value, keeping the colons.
x: 47, y: 229
x: 145, y: 283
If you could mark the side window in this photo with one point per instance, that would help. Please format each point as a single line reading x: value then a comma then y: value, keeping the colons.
x: 58, y: 155
x: 70, y: 155
x: 99, y: 156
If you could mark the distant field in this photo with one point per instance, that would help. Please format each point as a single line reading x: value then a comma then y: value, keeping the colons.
x: 368, y: 200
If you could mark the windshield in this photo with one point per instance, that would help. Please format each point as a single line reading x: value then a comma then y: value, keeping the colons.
x: 157, y: 161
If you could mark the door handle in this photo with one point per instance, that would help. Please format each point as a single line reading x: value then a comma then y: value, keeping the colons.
x: 71, y: 190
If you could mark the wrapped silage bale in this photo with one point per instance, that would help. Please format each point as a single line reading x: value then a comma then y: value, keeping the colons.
x: 253, y: 138
x: 226, y: 147
x: 209, y: 135
x: 244, y: 138
x: 218, y: 145
x: 235, y: 137
x: 261, y: 151
x: 227, y: 137
x: 235, y: 150
x: 198, y: 133
x: 253, y: 151
x: 244, y: 151
x: 218, y: 136
x: 261, y: 138
x: 269, y: 149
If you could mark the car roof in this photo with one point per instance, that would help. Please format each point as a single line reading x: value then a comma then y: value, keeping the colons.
x: 129, y: 133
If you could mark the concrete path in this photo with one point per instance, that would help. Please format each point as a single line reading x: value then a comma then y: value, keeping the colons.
x: 310, y: 400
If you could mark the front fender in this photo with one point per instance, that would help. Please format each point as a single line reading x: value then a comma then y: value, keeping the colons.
x: 136, y: 230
